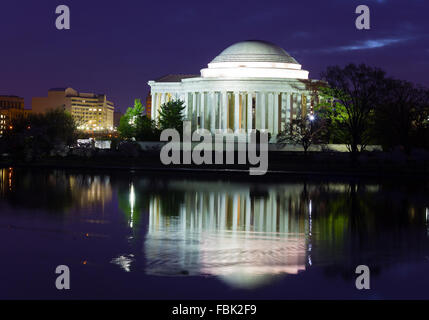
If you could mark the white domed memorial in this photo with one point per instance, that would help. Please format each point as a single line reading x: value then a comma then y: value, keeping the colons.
x: 249, y: 85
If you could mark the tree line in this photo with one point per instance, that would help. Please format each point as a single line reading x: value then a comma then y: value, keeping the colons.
x: 358, y: 106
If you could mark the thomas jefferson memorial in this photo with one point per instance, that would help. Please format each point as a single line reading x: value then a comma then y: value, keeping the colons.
x: 249, y: 85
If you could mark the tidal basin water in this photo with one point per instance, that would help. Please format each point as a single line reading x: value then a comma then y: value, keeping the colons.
x: 128, y: 235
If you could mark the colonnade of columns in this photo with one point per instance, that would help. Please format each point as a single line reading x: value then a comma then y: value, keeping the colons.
x: 239, y: 111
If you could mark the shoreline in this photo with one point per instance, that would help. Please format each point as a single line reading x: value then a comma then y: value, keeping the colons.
x: 280, y: 166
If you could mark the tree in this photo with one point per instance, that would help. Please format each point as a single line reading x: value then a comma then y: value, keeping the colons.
x: 171, y: 115
x: 352, y: 95
x: 146, y: 129
x: 39, y: 135
x: 304, y: 131
x: 403, y: 115
x: 126, y: 129
x: 420, y: 133
x: 128, y: 122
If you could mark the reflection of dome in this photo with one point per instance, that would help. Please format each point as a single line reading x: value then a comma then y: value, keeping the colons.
x: 254, y: 59
x: 254, y: 51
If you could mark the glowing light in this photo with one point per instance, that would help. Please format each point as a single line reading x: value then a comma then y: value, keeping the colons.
x: 132, y: 204
x: 132, y: 198
x: 124, y: 262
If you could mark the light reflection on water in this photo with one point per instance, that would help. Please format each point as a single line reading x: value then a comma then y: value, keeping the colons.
x: 227, y: 231
x: 246, y: 234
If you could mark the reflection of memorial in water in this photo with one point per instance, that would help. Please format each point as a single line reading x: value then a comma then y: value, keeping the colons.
x: 242, y: 234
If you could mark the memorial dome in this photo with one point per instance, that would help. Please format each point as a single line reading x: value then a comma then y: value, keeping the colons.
x: 254, y: 51
x: 254, y: 59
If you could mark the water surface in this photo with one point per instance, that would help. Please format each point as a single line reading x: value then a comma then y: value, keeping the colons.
x: 128, y: 235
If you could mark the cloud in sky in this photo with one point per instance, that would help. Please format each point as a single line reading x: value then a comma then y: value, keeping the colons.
x: 358, y: 45
x: 367, y: 44
x: 371, y: 44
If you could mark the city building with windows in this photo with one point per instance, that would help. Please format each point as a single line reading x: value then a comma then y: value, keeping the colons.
x: 250, y: 85
x: 11, y: 107
x: 92, y: 112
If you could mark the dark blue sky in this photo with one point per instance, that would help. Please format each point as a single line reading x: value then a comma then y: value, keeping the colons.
x: 115, y: 47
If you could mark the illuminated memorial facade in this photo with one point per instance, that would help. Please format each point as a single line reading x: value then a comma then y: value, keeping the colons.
x: 249, y: 85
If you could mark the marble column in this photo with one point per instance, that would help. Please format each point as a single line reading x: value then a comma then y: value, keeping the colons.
x: 249, y: 111
x: 160, y: 102
x: 258, y: 111
x: 163, y: 98
x: 288, y: 108
x: 308, y: 106
x: 202, y: 111
x: 153, y: 106
x: 283, y: 111
x: 186, y: 101
x: 211, y: 105
x: 219, y: 110
x: 225, y: 110
x: 270, y: 121
x: 298, y: 112
x: 243, y: 112
x: 236, y: 111
x: 276, y: 115
x: 216, y: 110
x: 263, y: 111
x: 194, y: 111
